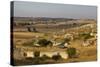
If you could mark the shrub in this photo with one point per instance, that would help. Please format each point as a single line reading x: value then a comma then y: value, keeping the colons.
x: 56, y: 57
x: 37, y: 54
x: 25, y: 54
x: 67, y: 40
x: 31, y: 29
x: 45, y: 57
x: 71, y: 52
x: 44, y: 42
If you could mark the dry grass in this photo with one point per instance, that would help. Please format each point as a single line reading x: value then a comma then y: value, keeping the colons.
x: 85, y: 53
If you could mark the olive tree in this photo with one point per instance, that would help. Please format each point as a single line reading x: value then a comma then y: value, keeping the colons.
x: 71, y: 52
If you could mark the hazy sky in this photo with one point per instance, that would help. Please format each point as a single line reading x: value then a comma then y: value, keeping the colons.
x: 34, y: 9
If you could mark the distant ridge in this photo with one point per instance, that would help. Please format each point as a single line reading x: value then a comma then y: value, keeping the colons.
x: 41, y: 18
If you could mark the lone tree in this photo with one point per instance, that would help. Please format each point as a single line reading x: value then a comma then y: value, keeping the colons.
x: 56, y: 57
x: 34, y: 29
x: 31, y: 29
x: 44, y: 43
x: 28, y: 28
x: 37, y: 54
x: 71, y: 52
x: 74, y: 24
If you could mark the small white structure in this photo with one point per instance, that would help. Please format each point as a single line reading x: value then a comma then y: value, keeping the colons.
x: 85, y: 43
x: 66, y: 45
x: 37, y: 45
x: 64, y: 55
x: 29, y: 54
x: 55, y: 43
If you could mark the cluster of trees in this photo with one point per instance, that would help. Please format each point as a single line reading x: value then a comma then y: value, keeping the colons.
x: 71, y: 51
x: 31, y: 29
x: 44, y: 42
x: 85, y: 36
x: 45, y: 57
x: 21, y: 24
x: 55, y: 58
x: 41, y: 42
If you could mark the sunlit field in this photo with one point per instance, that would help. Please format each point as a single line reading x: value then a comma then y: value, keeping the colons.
x: 47, y: 43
